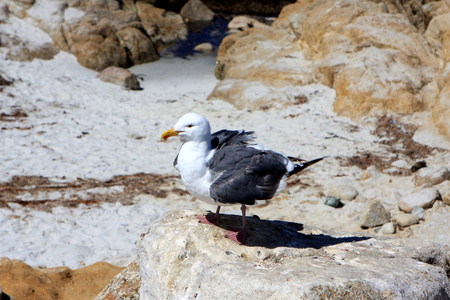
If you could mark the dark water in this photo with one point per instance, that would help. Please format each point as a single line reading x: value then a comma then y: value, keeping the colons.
x: 212, y: 33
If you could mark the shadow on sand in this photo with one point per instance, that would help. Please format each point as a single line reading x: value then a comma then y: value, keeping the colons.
x: 273, y: 234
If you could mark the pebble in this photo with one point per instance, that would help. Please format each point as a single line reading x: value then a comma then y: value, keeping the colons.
x: 405, y: 220
x: 375, y: 215
x: 388, y: 228
x: 424, y: 198
x: 204, y: 48
x: 332, y: 201
x: 418, y: 211
x: 418, y: 165
x: 401, y: 164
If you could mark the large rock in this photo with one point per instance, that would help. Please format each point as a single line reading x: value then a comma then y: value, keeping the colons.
x: 182, y: 258
x: 103, y: 33
x: 379, y: 56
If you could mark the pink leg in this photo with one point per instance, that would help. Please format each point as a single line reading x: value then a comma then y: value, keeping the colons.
x: 239, y: 236
x: 210, y: 220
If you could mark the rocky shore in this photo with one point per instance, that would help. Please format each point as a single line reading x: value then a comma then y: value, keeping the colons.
x: 89, y: 200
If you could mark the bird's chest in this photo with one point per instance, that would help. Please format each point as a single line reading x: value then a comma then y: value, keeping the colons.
x: 192, y: 166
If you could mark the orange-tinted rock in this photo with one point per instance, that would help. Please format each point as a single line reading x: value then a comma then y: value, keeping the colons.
x: 21, y: 281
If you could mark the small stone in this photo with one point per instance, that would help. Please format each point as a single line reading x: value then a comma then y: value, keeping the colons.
x: 401, y: 164
x: 375, y: 215
x: 446, y: 199
x: 424, y: 198
x: 418, y: 211
x: 388, y: 228
x: 332, y: 201
x: 431, y: 176
x: 243, y: 23
x: 418, y: 165
x: 196, y: 11
x: 204, y: 48
x: 120, y: 76
x: 341, y: 190
x: 405, y: 220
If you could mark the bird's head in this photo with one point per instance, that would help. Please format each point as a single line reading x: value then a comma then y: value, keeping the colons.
x: 190, y: 127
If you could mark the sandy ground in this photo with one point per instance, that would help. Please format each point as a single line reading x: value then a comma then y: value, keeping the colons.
x: 78, y: 156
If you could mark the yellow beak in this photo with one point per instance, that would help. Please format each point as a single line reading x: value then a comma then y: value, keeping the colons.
x: 168, y: 133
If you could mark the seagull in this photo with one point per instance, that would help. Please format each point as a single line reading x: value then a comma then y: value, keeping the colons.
x: 222, y: 168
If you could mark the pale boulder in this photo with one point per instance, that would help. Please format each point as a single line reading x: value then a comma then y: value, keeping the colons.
x: 182, y: 258
x: 405, y: 220
x: 424, y: 198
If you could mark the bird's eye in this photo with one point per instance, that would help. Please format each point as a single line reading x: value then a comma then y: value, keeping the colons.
x: 190, y: 126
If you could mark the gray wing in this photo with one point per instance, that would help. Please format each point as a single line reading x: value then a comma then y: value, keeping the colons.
x: 223, y: 138
x: 246, y: 174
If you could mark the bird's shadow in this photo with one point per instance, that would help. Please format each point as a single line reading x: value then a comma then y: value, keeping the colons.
x: 273, y: 234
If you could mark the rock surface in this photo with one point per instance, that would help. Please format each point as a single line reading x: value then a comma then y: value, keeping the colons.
x: 124, y: 286
x: 181, y: 258
x: 21, y: 281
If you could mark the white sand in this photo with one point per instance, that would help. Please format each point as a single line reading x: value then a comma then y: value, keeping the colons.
x: 122, y: 136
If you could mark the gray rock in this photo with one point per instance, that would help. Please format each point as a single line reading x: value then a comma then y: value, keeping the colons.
x: 333, y: 201
x: 431, y: 176
x: 424, y: 198
x: 406, y: 220
x: 418, y: 211
x: 181, y: 258
x: 375, y: 215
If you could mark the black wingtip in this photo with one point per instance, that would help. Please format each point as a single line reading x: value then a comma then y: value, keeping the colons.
x: 304, y: 165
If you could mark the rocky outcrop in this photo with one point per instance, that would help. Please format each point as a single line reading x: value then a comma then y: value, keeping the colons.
x: 379, y: 56
x: 182, y: 258
x: 21, y: 281
x: 103, y: 33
